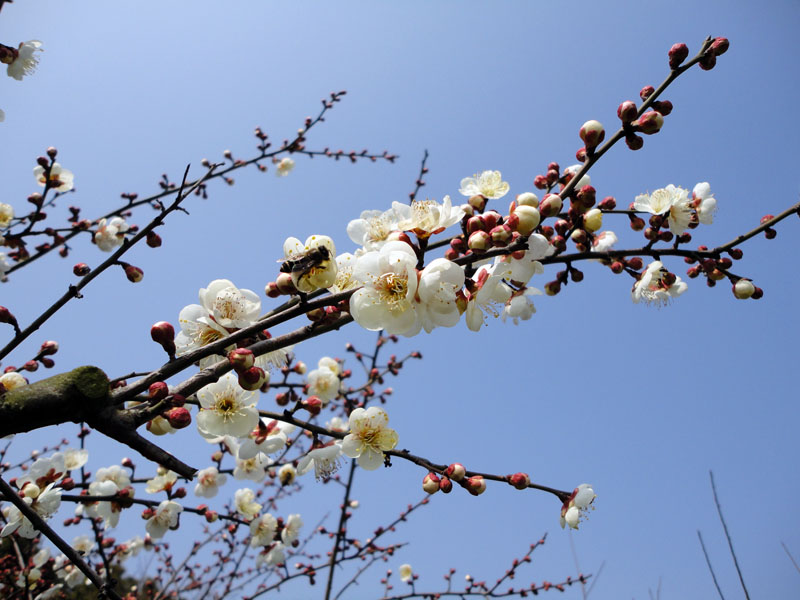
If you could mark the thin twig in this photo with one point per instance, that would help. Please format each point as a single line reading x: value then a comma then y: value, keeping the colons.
x: 791, y: 558
x: 727, y: 535
x: 708, y: 562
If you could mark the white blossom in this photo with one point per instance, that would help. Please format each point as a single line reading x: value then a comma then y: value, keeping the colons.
x: 208, y: 482
x: 262, y: 530
x: 373, y: 227
x: 324, y: 383
x: 6, y: 214
x: 26, y: 61
x: 44, y: 501
x: 291, y: 529
x: 110, y: 234
x: 285, y: 165
x: 438, y: 288
x: 488, y: 292
x: 488, y: 184
x: 324, y: 460
x: 406, y: 572
x: 577, y: 506
x: 672, y: 201
x: 163, y: 481
x: 427, y: 217
x: 652, y: 288
x: 165, y: 517
x: 12, y: 380
x: 369, y: 437
x: 604, y: 241
x: 60, y: 179
x: 573, y: 170
x: 226, y: 409
x: 704, y: 202
x: 246, y: 505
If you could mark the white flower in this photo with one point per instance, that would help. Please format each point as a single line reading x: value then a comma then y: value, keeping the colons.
x: 44, y: 470
x: 373, y: 227
x: 83, y: 544
x: 254, y: 469
x: 25, y: 63
x: 522, y: 269
x: 439, y: 285
x: 75, y: 459
x: 226, y: 409
x: 12, y: 380
x: 488, y: 184
x: 369, y: 437
x: 5, y: 266
x: 585, y: 180
x: 110, y: 234
x: 60, y: 179
x: 344, y: 272
x: 163, y: 481
x: 336, y: 424
x: 520, y: 307
x: 406, y: 573
x: 165, y: 517
x: 273, y: 556
x: 577, y: 505
x: 324, y: 383
x: 427, y: 217
x: 109, y: 511
x: 245, y: 503
x: 390, y: 284
x: 291, y: 529
x: 6, y: 214
x: 324, y: 460
x: 671, y: 200
x: 208, y: 482
x: 263, y: 530
x: 287, y: 474
x: 115, y: 474
x: 222, y: 306
x: 285, y: 165
x: 266, y: 440
x: 488, y: 291
x: 704, y: 202
x: 652, y: 288
x: 45, y: 502
x: 130, y: 548
x: 313, y: 264
x: 604, y: 241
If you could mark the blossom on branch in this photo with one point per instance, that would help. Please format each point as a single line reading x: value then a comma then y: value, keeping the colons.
x: 369, y: 437
x: 6, y: 214
x: 312, y: 265
x: 284, y: 167
x: 110, y: 234
x: 165, y: 517
x: 262, y: 530
x: 488, y: 184
x: 427, y: 217
x: 208, y: 482
x: 371, y: 230
x: 244, y: 499
x: 26, y: 60
x: 656, y: 285
x: 226, y: 409
x: 671, y: 201
x: 323, y: 459
x: 438, y: 291
x: 577, y: 505
x: 704, y: 203
x: 58, y: 178
x: 44, y: 501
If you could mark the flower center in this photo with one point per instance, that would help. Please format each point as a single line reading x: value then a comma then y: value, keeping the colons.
x: 393, y: 289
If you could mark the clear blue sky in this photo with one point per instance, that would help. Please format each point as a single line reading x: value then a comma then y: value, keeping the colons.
x: 639, y: 402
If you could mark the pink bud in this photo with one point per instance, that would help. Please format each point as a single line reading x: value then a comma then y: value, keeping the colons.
x: 627, y: 111
x: 313, y: 405
x: 430, y: 483
x: 720, y: 46
x: 163, y: 333
x: 285, y: 284
x: 153, y: 239
x: 48, y: 348
x: 81, y: 269
x: 477, y: 202
x: 519, y: 480
x: 252, y: 378
x: 649, y: 123
x: 158, y: 391
x: 540, y: 182
x: 134, y: 274
x: 241, y: 359
x: 608, y: 203
x: 476, y: 485
x: 551, y: 205
x: 677, y: 54
x: 592, y: 133
x: 479, y: 241
x: 456, y: 471
x: 179, y: 417
x: 646, y: 92
x: 501, y: 235
x: 634, y: 141
x: 446, y: 485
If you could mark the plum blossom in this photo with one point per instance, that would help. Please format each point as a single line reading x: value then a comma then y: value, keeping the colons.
x: 487, y: 290
x: 26, y: 60
x: 163, y: 481
x: 208, y: 482
x: 12, y: 380
x: 406, y: 573
x: 520, y: 270
x: 226, y: 409
x: 704, y: 202
x: 390, y: 285
x: 604, y: 241
x: 109, y: 511
x: 83, y: 544
x: 488, y: 184
x: 573, y: 170
x: 520, y: 307
x: 313, y: 264
x: 44, y: 470
x: 323, y: 459
x: 671, y: 200
x: 165, y: 517
x: 284, y: 167
x: 369, y: 437
x: 272, y: 556
x: 59, y: 179
x: 5, y: 266
x: 324, y: 381
x: 244, y: 499
x: 6, y: 214
x: 110, y: 234
x: 223, y: 307
x: 268, y: 439
x: 371, y: 230
x: 577, y: 505
x: 254, y: 469
x: 44, y: 501
x: 438, y: 290
x: 344, y: 272
x: 262, y: 530
x: 291, y: 529
x: 427, y: 217
x: 654, y: 287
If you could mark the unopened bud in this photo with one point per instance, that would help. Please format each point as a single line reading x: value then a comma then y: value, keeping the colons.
x: 285, y: 284
x: 634, y: 142
x: 677, y: 54
x: 477, y: 202
x: 646, y: 92
x: 476, y: 485
x: 540, y: 182
x: 31, y: 366
x: 153, y: 239
x: 593, y: 220
x: 287, y: 474
x: 607, y: 203
x: 708, y: 61
x: 313, y: 405
x: 592, y: 133
x: 552, y: 288
x: 649, y: 123
x: 519, y: 480
x: 430, y: 483
x: 134, y: 274
x: 253, y: 378
x: 501, y: 235
x: 720, y: 45
x: 479, y: 241
x: 163, y: 333
x: 446, y: 485
x: 81, y: 269
x: 456, y: 471
x: 158, y: 391
x: 617, y: 267
x: 529, y: 219
x: 663, y: 107
x: 179, y: 417
x: 241, y: 359
x: 743, y: 289
x: 586, y: 196
x: 551, y: 205
x: 48, y: 348
x: 528, y: 199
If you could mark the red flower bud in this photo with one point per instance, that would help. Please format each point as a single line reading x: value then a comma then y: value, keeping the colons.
x: 677, y: 54
x: 179, y: 417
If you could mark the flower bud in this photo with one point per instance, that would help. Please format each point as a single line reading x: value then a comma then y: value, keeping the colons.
x: 501, y: 235
x: 271, y: 290
x: 134, y: 274
x: 313, y: 405
x: 158, y: 391
x: 551, y: 205
x: 153, y: 239
x: 636, y: 263
x: 479, y: 241
x: 241, y: 359
x: 430, y: 483
x: 519, y: 480
x: 540, y: 182
x: 81, y: 269
x: 720, y: 45
x: 476, y: 485
x: 399, y: 236
x: 617, y: 267
x: 287, y: 474
x: 552, y: 288
x: 592, y: 133
x: 528, y: 199
x: 163, y: 333
x: 455, y: 471
x: 634, y: 142
x: 253, y: 378
x: 646, y: 92
x: 627, y: 111
x: 581, y: 154
x: 708, y: 61
x: 649, y: 123
x: 31, y: 490
x: 48, y: 348
x: 587, y: 195
x: 579, y: 236
x: 211, y: 516
x: 477, y: 202
x: 179, y: 417
x: 285, y: 284
x: 31, y: 366
x: 677, y: 54
x: 663, y: 107
x: 743, y: 289
x: 529, y: 219
x: 607, y: 203
x: 446, y: 485
x: 759, y: 293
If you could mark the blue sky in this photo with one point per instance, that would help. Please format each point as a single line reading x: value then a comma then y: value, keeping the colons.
x: 638, y: 401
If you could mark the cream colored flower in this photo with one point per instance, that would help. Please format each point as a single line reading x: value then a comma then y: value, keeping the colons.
x: 110, y: 234
x: 165, y: 517
x: 312, y: 265
x: 653, y: 289
x: 6, y: 214
x: 488, y: 184
x: 26, y: 61
x: 226, y: 409
x: 427, y: 217
x: 60, y: 179
x: 285, y: 165
x: 245, y: 503
x: 208, y: 482
x: 263, y: 530
x: 369, y: 437
x: 672, y: 201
